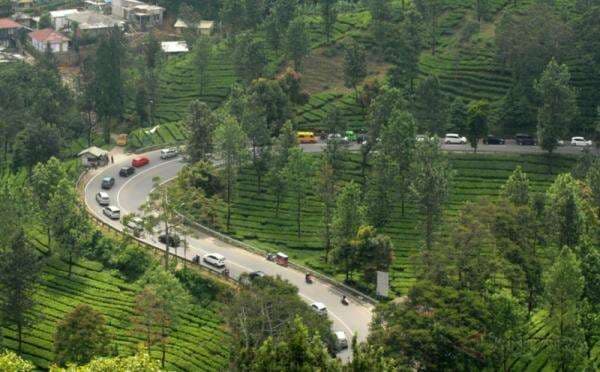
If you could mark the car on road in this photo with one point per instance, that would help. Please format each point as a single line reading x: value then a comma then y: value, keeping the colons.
x: 112, y: 212
x: 493, y: 140
x: 173, y: 239
x: 214, y: 259
x: 319, y: 307
x: 523, y: 139
x: 136, y: 225
x: 256, y: 274
x: 102, y: 198
x: 306, y: 137
x: 454, y: 139
x: 140, y: 161
x: 108, y: 182
x: 341, y: 341
x: 336, y: 137
x: 126, y: 171
x: 580, y: 142
x: 169, y: 153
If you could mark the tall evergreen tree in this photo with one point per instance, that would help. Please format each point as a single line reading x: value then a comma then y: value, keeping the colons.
x: 430, y: 110
x: 328, y: 17
x: 298, y: 173
x: 355, y: 65
x: 297, y: 42
x: 201, y: 123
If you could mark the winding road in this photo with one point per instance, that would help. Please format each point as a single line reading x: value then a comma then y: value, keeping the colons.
x: 130, y: 193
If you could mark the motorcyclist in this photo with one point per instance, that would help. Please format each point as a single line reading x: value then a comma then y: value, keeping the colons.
x: 344, y: 300
x: 308, y: 278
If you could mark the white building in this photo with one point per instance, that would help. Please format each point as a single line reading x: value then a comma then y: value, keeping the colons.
x: 205, y: 27
x: 48, y: 38
x: 139, y: 14
x: 174, y: 47
x: 58, y: 18
x: 93, y: 23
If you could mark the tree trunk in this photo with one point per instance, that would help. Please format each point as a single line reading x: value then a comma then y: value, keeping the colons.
x: 429, y: 231
x: 277, y: 202
x: 298, y: 213
x: 167, y: 241
x: 228, y: 204
x: 20, y: 337
x: 70, y: 262
x: 163, y: 346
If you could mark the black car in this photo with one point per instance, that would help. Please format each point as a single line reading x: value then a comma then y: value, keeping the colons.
x: 524, y: 139
x: 108, y: 182
x: 174, y: 239
x: 126, y: 171
x: 493, y: 140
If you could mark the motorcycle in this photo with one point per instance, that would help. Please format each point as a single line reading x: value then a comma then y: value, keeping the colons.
x: 308, y: 279
x: 345, y: 301
x: 271, y: 256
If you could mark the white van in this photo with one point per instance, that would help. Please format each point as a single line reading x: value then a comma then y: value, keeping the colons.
x: 171, y: 152
x: 214, y: 259
x: 341, y: 342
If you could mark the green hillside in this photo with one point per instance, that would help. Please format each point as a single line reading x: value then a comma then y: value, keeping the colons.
x: 200, y: 342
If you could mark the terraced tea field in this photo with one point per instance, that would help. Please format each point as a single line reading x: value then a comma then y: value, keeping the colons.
x: 169, y: 133
x: 311, y: 115
x: 179, y: 84
x: 477, y: 176
x: 200, y: 342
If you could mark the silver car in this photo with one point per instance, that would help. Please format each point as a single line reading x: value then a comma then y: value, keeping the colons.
x: 102, y: 198
x: 112, y: 212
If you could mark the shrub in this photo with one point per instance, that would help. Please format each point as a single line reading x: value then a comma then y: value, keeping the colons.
x: 132, y: 262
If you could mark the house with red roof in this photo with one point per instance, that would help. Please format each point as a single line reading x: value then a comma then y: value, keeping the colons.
x: 48, y: 38
x: 8, y: 31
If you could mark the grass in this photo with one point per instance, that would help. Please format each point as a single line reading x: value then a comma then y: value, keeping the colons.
x: 477, y: 176
x: 200, y: 342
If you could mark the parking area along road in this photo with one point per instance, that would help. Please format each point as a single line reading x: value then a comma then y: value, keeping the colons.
x: 130, y: 193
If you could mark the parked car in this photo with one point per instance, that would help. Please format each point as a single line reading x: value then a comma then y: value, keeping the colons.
x: 580, y: 141
x: 108, y: 182
x: 319, y: 307
x: 102, y: 198
x: 126, y: 171
x: 420, y: 137
x: 523, y: 139
x: 341, y: 341
x: 214, y: 259
x: 112, y: 212
x: 140, y: 161
x: 136, y: 224
x: 169, y: 153
x: 454, y: 139
x: 336, y: 137
x: 493, y: 140
x: 173, y: 239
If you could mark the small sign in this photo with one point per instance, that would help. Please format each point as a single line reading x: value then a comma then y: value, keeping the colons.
x: 383, y: 283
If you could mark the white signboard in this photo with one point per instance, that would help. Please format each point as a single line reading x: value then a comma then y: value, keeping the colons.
x: 383, y: 283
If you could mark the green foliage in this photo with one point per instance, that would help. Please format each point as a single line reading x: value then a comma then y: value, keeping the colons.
x: 558, y: 106
x: 458, y: 116
x: 564, y: 214
x: 11, y: 362
x: 297, y: 42
x: 81, y: 336
x: 477, y: 122
x: 249, y: 58
x: 355, y: 64
x: 201, y: 123
x: 564, y: 286
x: 298, y: 172
x: 431, y: 106
x: 348, y: 216
x: 141, y: 362
x: 374, y: 252
x: 37, y: 142
x: 516, y: 188
x: 328, y: 17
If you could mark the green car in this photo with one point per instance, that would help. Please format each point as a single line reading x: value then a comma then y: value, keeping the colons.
x: 351, y: 136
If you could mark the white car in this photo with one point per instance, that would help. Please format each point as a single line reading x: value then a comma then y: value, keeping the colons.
x: 112, y: 212
x: 341, y: 341
x: 319, y: 307
x: 454, y: 139
x: 214, y: 259
x: 136, y: 224
x: 580, y: 141
x: 171, y: 152
x: 338, y: 138
x: 102, y: 198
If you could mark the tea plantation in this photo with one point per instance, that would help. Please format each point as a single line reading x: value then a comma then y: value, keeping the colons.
x: 199, y: 343
x: 477, y: 176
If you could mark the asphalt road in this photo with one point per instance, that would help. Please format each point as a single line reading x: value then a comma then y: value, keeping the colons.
x: 130, y: 193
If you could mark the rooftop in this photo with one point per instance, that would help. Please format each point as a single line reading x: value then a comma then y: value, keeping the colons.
x: 89, y: 20
x: 174, y: 47
x: 48, y: 35
x: 8, y: 23
x: 95, y: 151
x: 62, y: 13
x: 202, y: 25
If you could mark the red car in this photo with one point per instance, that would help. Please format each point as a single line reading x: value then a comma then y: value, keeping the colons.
x: 140, y: 161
